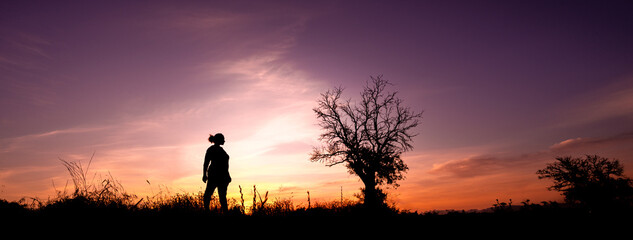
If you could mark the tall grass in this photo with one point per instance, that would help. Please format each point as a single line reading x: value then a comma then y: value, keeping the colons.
x: 102, y: 191
x: 94, y: 192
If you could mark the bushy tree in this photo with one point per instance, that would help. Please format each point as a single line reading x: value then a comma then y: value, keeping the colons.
x: 593, y: 181
x: 368, y: 137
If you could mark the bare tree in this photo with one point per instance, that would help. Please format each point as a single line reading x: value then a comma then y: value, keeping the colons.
x: 368, y: 137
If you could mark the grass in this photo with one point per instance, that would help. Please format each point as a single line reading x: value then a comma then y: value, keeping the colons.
x: 102, y: 201
x: 103, y: 195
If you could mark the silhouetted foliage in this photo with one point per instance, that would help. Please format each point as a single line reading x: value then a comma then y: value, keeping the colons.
x: 95, y: 210
x: 185, y: 211
x: 368, y: 137
x: 11, y: 208
x: 594, y: 182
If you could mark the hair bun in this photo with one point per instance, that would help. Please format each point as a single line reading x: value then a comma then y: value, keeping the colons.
x: 210, y: 137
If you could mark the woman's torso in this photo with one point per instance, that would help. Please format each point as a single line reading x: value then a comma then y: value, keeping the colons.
x: 219, y: 169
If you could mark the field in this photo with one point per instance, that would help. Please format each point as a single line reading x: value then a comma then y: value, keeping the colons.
x: 108, y: 212
x: 103, y: 207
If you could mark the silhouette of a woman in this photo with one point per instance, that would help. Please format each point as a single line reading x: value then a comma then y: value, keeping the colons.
x: 216, y: 175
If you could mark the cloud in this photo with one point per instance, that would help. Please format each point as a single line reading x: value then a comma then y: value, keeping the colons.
x: 198, y: 20
x: 14, y: 181
x: 242, y: 86
x: 24, y: 64
x: 613, y: 101
x: 27, y: 142
x: 593, y: 142
x: 22, y: 43
x: 615, y: 146
x: 470, y: 167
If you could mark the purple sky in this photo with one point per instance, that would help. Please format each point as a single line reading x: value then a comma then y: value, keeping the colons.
x: 505, y: 86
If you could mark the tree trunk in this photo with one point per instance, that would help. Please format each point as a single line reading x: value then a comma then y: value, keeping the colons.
x: 371, y: 195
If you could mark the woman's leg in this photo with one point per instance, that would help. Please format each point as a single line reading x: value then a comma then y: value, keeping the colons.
x: 208, y: 192
x: 222, y: 193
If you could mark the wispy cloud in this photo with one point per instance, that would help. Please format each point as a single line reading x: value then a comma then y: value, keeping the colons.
x: 254, y: 95
x: 15, y: 180
x: 614, y: 146
x: 24, y: 59
x: 31, y: 140
x: 475, y: 180
x: 485, y: 164
x: 23, y: 46
x: 470, y: 167
x: 612, y: 101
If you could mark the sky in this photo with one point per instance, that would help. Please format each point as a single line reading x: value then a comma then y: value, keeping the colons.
x: 504, y: 87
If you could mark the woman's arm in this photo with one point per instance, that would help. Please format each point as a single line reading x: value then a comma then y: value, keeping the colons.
x: 207, y: 160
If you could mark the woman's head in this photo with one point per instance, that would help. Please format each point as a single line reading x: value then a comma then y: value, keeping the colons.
x: 218, y: 138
